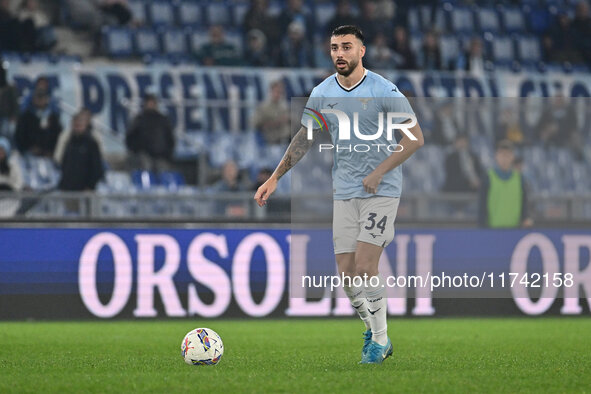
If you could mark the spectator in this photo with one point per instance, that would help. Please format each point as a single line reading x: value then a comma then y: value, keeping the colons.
x: 230, y: 181
x: 473, y: 60
x: 85, y: 13
x: 430, y: 56
x: 404, y: 58
x: 38, y: 128
x: 368, y: 23
x: 322, y: 58
x: 257, y: 17
x: 385, y: 10
x: 445, y: 125
x: 10, y: 35
x: 36, y: 31
x: 272, y: 117
x: 11, y: 177
x: 116, y: 9
x: 462, y: 168
x: 218, y: 51
x: 295, y: 12
x: 150, y: 138
x: 65, y: 136
x: 379, y: 55
x: 581, y: 27
x: 343, y: 16
x: 509, y: 127
x: 82, y: 163
x: 41, y: 85
x: 295, y: 51
x: 560, y: 44
x: 558, y: 125
x: 503, y: 200
x: 256, y: 54
x: 8, y: 106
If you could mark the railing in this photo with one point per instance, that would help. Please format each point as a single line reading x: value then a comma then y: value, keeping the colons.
x: 189, y: 206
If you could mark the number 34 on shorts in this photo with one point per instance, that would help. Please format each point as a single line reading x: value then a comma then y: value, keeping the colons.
x: 368, y: 220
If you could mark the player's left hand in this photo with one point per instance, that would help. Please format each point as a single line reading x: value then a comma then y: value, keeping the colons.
x: 371, y: 182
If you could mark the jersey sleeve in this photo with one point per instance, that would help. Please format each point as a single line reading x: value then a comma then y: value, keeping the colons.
x: 395, y: 101
x: 311, y: 110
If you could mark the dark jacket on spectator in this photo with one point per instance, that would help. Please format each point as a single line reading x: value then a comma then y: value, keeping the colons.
x: 35, y: 135
x: 456, y: 177
x: 151, y: 133
x: 82, y: 164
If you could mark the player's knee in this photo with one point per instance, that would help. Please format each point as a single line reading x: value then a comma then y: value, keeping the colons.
x: 366, y: 267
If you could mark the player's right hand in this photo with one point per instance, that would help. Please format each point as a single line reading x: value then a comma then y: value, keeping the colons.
x: 265, y: 191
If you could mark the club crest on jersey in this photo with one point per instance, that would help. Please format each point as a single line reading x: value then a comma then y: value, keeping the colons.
x: 364, y: 102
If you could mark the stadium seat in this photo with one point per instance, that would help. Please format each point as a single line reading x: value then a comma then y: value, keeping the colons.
x: 488, y: 19
x: 271, y: 155
x: 502, y: 48
x: 462, y: 20
x: 144, y: 180
x: 449, y: 49
x: 12, y: 57
x: 169, y: 59
x: 118, y: 41
x: 528, y: 48
x: 174, y: 41
x: 224, y: 148
x: 539, y: 19
x: 440, y: 22
x: 138, y: 11
x: 235, y: 37
x: 116, y: 182
x: 146, y: 42
x: 239, y: 10
x: 414, y: 21
x: 197, y: 37
x: 190, y: 13
x: 161, y: 13
x: 513, y: 21
x: 575, y: 68
x: 416, y: 42
x: 171, y: 180
x: 247, y: 155
x: 40, y: 57
x: 217, y: 13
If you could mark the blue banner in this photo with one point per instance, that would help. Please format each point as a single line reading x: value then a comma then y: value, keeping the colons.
x: 209, y: 99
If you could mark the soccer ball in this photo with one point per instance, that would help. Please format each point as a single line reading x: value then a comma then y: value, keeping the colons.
x: 202, y: 346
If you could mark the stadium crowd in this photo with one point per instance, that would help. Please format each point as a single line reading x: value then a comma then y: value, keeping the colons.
x: 472, y: 35
x: 405, y: 35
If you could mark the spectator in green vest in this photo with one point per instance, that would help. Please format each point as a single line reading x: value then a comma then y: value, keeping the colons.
x: 503, y: 199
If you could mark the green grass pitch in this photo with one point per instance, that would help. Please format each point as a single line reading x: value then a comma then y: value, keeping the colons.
x: 296, y: 356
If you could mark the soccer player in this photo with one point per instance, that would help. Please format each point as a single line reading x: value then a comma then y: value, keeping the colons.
x: 367, y: 185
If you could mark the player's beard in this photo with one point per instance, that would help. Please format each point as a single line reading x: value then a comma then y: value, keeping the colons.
x: 351, y: 66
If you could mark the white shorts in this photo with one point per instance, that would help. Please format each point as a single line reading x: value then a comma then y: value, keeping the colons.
x: 368, y: 220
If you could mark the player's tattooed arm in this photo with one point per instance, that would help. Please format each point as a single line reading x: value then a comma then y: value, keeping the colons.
x: 300, y: 144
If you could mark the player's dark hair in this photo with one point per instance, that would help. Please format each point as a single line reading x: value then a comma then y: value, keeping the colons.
x: 348, y: 29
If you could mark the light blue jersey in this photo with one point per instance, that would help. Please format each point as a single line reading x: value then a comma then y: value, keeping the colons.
x: 373, y: 97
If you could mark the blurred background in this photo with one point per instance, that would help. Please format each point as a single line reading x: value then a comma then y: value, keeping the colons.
x: 177, y: 110
x: 134, y: 133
